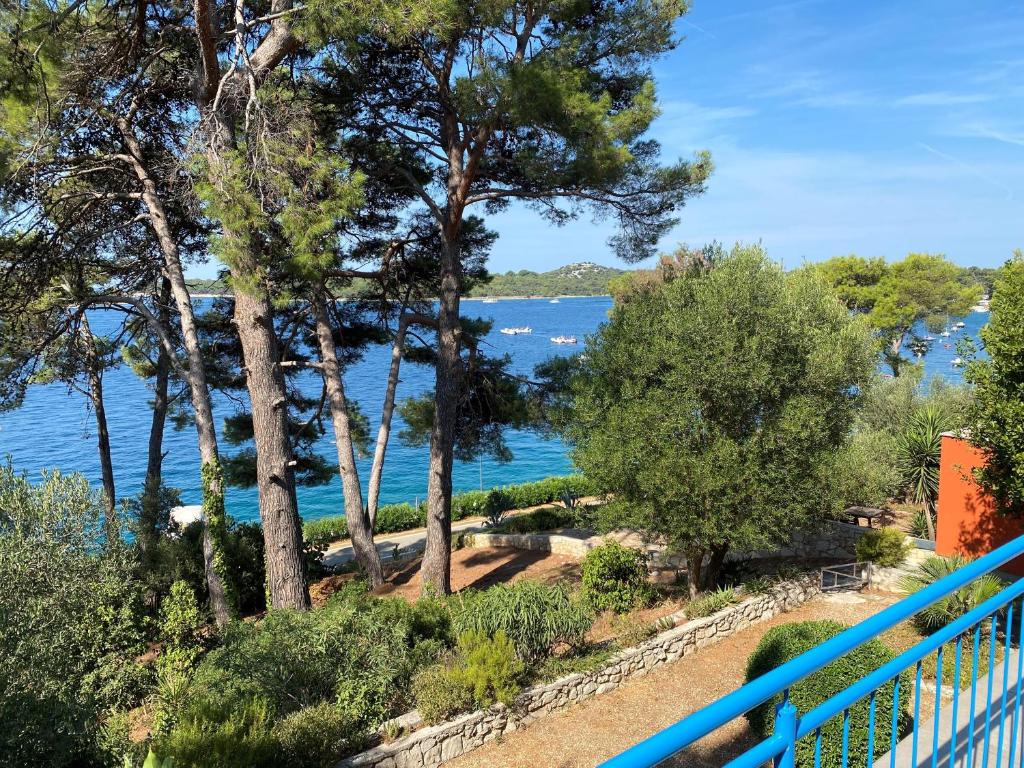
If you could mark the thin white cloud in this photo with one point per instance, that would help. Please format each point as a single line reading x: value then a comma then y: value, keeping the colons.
x: 971, y: 169
x: 942, y: 99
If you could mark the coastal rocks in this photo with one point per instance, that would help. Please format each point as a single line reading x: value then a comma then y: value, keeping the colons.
x: 440, y: 743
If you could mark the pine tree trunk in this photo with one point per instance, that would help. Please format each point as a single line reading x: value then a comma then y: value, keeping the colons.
x: 714, y: 567
x: 215, y: 523
x: 94, y: 375
x: 436, y: 569
x: 275, y: 477
x: 359, y: 529
x: 155, y: 452
x: 384, y: 432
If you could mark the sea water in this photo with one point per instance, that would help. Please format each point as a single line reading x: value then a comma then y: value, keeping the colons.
x: 55, y: 429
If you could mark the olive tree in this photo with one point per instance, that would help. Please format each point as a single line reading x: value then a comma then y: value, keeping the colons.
x: 714, y: 405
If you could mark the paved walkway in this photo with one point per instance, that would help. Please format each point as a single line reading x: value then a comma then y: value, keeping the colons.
x: 989, y: 715
x: 340, y: 552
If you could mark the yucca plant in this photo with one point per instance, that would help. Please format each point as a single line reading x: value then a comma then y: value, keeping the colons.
x: 918, y: 452
x: 954, y: 605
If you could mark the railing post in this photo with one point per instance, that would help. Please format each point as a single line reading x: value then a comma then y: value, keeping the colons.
x: 785, y: 726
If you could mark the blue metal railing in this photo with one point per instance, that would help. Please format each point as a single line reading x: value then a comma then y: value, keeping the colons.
x: 791, y: 726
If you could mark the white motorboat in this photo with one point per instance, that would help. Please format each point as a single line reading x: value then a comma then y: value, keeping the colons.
x: 489, y: 300
x: 957, y: 362
x: 960, y: 324
x: 563, y: 339
x: 517, y: 331
x: 944, y: 333
x: 554, y: 301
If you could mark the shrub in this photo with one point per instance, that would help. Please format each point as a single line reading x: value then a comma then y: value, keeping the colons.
x: 490, y: 669
x: 615, y: 577
x: 887, y: 547
x: 952, y: 606
x: 440, y: 694
x: 315, y: 737
x: 356, y: 653
x: 534, y: 616
x: 213, y: 732
x: 783, y: 643
x: 543, y: 519
x: 919, y: 526
x: 73, y: 622
x: 709, y: 604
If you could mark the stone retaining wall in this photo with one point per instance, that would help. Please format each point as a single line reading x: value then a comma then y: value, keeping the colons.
x: 437, y: 744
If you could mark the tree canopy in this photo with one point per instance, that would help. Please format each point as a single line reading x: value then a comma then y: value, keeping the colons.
x: 714, y: 405
x: 895, y: 297
x: 997, y: 417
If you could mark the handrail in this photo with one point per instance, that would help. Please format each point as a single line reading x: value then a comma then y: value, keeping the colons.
x: 666, y: 743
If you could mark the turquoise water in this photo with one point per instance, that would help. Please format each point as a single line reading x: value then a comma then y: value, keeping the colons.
x: 55, y: 428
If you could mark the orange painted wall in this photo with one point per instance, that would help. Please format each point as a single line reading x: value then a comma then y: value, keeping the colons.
x: 967, y: 520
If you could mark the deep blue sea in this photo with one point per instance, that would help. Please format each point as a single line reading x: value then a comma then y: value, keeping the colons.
x: 55, y: 429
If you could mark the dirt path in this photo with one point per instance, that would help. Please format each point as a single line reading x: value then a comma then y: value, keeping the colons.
x: 584, y: 735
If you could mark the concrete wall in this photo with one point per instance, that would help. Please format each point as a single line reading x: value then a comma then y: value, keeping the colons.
x: 968, y: 522
x: 437, y: 744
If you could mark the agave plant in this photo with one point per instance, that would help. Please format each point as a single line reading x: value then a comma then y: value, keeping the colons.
x: 954, y: 605
x: 918, y: 452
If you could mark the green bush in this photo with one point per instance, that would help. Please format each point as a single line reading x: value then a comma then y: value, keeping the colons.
x: 615, y: 577
x: 709, y: 604
x: 919, y: 525
x: 887, y: 547
x: 314, y: 737
x: 534, y: 616
x: 214, y: 732
x: 952, y: 606
x: 543, y: 519
x: 783, y: 643
x: 490, y: 669
x: 440, y: 694
x: 72, y: 622
x: 356, y: 653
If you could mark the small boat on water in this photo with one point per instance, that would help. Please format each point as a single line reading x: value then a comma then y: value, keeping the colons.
x: 489, y: 300
x: 957, y: 362
x: 929, y: 338
x: 517, y: 331
x: 944, y: 333
x: 554, y: 301
x: 960, y: 324
x: 563, y: 339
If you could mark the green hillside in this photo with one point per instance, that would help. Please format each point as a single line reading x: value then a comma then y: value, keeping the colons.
x: 582, y: 279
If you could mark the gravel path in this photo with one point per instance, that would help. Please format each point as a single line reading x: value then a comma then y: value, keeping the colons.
x: 584, y: 735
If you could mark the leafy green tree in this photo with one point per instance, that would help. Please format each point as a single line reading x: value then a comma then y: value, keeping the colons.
x: 73, y: 623
x: 997, y: 419
x: 922, y: 287
x: 716, y: 406
x: 483, y: 104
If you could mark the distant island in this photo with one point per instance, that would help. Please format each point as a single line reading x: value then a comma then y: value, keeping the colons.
x: 584, y: 278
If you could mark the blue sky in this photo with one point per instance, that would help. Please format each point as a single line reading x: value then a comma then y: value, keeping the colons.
x: 874, y: 127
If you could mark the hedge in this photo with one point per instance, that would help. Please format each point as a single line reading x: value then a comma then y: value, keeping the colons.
x: 402, y: 517
x: 786, y: 642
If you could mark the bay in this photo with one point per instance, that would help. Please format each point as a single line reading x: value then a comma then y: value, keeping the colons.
x: 55, y: 429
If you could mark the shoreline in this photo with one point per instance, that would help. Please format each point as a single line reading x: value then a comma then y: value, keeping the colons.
x: 531, y: 297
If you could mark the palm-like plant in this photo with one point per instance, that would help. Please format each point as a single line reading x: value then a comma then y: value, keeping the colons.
x: 954, y: 605
x: 918, y: 451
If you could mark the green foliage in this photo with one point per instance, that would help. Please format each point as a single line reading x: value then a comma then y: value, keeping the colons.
x: 535, y: 617
x: 489, y: 667
x: 615, y: 577
x: 887, y: 547
x: 894, y: 297
x: 919, y: 525
x: 783, y: 643
x: 997, y: 420
x: 153, y: 761
x: 952, y: 606
x: 584, y: 279
x: 73, y: 623
x: 314, y: 737
x: 543, y: 519
x: 918, y: 453
x: 866, y: 473
x: 440, y: 693
x: 715, y: 406
x: 403, y: 517
x: 710, y: 603
x: 357, y: 654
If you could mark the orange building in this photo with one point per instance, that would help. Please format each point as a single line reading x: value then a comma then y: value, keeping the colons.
x: 968, y: 523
